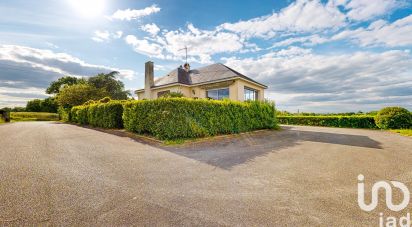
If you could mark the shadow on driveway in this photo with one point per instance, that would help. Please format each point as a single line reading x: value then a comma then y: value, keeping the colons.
x: 228, y: 151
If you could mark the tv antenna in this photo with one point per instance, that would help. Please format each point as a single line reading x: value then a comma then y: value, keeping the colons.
x: 185, y: 48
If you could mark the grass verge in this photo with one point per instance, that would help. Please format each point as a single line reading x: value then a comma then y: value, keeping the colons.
x: 403, y: 132
x: 33, y: 116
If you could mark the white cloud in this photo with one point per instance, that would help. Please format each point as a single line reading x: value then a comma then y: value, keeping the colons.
x: 306, y: 40
x: 361, y: 10
x: 145, y: 47
x: 106, y: 36
x: 101, y: 36
x: 381, y: 32
x: 303, y: 22
x: 152, y: 29
x: 131, y: 14
x: 24, y: 68
x: 361, y: 80
x: 201, y: 44
x: 118, y: 35
x: 300, y: 16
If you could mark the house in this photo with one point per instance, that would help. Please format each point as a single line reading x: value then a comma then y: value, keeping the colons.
x: 216, y: 81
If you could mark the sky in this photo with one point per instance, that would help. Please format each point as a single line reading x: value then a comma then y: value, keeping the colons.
x: 314, y: 56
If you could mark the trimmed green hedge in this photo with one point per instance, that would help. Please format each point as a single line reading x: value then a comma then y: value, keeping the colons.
x: 173, y: 118
x: 79, y: 114
x: 105, y: 115
x: 64, y: 114
x: 330, y: 121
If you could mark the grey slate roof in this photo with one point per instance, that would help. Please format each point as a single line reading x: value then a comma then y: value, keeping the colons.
x: 205, y: 74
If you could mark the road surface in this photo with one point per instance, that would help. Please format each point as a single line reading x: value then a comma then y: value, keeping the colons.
x: 60, y: 174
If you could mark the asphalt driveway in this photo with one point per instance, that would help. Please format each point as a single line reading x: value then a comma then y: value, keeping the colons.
x: 61, y: 174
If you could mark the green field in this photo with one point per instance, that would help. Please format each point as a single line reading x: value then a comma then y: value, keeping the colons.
x: 33, y: 116
x: 404, y: 132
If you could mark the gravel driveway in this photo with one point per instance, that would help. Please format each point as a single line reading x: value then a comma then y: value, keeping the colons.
x: 61, y: 174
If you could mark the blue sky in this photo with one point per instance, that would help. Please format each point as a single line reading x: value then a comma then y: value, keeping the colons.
x: 320, y: 56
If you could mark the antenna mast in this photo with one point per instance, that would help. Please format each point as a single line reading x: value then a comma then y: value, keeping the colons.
x: 185, y: 48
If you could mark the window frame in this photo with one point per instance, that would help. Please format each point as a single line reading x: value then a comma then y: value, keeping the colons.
x: 254, y: 91
x: 217, y: 89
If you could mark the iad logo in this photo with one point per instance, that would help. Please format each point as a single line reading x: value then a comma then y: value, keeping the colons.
x: 388, y: 192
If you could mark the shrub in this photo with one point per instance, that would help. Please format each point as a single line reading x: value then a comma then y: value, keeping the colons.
x: 355, y: 121
x: 172, y: 118
x: 105, y: 100
x: 106, y: 115
x: 79, y: 114
x: 89, y: 102
x: 64, y: 113
x: 394, y: 118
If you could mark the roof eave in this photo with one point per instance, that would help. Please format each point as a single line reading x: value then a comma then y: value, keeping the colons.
x: 207, y: 82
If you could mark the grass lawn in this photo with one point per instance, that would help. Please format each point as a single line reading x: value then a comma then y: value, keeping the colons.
x: 404, y: 132
x: 1, y: 121
x: 33, y: 116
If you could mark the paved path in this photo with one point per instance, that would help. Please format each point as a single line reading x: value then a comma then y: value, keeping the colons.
x: 60, y: 174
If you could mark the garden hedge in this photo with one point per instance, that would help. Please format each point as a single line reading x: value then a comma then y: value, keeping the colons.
x: 355, y: 121
x: 64, y: 114
x: 172, y: 118
x: 105, y: 115
x: 394, y: 118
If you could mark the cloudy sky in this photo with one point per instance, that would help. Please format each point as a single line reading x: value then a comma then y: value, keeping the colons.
x: 320, y: 56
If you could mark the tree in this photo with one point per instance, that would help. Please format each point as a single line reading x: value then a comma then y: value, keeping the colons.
x: 55, y: 86
x: 108, y: 82
x: 33, y: 105
x: 78, y: 94
x: 48, y: 105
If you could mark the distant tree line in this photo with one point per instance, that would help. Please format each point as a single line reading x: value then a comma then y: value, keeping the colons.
x: 286, y: 113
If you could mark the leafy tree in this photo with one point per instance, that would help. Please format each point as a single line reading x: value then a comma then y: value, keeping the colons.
x: 48, y: 105
x: 108, y: 82
x: 55, y: 86
x: 33, y: 105
x: 18, y: 109
x: 78, y: 94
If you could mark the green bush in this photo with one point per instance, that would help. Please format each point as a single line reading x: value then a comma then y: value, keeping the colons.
x: 79, y: 114
x: 64, y: 114
x: 172, y: 118
x: 105, y: 100
x: 394, y: 118
x: 355, y: 121
x: 106, y: 115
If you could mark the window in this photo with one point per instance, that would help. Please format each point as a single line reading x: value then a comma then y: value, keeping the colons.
x: 218, y: 94
x: 250, y: 94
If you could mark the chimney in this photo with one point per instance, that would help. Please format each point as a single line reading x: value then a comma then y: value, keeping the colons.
x: 186, y: 66
x: 148, y: 78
